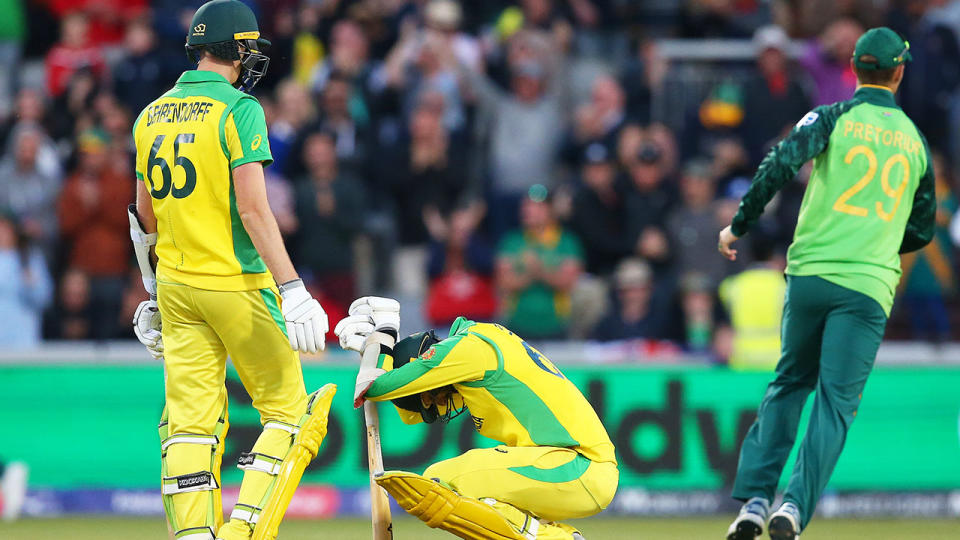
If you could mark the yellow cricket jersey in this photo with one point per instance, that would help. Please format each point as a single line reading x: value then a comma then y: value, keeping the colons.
x: 188, y: 142
x: 515, y: 394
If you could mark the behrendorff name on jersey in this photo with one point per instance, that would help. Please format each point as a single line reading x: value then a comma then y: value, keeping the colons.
x: 886, y: 137
x: 185, y: 111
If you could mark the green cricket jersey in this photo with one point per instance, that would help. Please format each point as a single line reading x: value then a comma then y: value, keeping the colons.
x: 870, y: 196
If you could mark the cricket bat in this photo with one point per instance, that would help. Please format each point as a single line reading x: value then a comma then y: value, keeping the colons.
x: 379, y: 502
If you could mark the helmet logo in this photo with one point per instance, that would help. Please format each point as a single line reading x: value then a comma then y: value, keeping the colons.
x: 199, y: 29
x: 256, y: 142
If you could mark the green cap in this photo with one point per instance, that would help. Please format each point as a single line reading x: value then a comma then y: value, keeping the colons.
x: 223, y: 20
x: 881, y: 48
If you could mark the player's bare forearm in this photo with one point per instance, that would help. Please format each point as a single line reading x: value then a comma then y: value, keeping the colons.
x: 259, y: 221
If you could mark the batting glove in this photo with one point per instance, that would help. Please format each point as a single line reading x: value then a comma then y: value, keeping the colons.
x: 353, y: 331
x: 147, y: 327
x: 384, y: 312
x: 305, y: 319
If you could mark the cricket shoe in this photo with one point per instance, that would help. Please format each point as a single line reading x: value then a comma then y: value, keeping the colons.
x: 750, y: 520
x: 13, y: 489
x: 785, y: 523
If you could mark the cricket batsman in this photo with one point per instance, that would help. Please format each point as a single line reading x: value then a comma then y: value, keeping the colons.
x: 202, y: 205
x: 555, y: 462
x: 870, y: 198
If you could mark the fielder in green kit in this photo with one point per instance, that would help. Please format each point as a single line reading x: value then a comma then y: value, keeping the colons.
x: 869, y: 199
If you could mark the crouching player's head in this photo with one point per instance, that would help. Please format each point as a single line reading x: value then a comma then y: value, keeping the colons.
x: 441, y: 404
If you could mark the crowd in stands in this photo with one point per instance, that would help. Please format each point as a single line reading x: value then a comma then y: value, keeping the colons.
x: 503, y: 160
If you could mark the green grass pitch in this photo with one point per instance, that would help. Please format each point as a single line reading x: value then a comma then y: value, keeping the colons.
x: 405, y: 528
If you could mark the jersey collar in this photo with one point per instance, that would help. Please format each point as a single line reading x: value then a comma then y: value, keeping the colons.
x: 876, y: 95
x: 200, y: 76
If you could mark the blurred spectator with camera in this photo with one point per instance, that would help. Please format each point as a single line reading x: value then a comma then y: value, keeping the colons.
x: 329, y: 211
x: 25, y: 286
x: 648, y: 205
x: 537, y: 267
x: 94, y: 227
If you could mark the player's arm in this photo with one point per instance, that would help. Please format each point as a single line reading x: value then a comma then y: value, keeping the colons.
x: 454, y: 360
x: 922, y: 220
x: 806, y: 141
x: 259, y: 221
x: 245, y: 135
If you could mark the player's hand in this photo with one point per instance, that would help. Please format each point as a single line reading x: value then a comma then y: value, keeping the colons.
x: 353, y: 331
x: 365, y: 379
x: 384, y: 312
x: 305, y: 319
x: 723, y: 245
x: 147, y: 326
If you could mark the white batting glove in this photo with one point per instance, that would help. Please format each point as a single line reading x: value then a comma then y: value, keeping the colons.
x: 147, y: 326
x: 353, y: 331
x: 384, y: 312
x: 305, y: 319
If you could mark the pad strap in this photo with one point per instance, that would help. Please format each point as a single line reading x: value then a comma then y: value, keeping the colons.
x: 195, y: 533
x: 189, y: 438
x: 255, y: 461
x: 276, y: 424
x: 246, y: 512
x: 187, y: 483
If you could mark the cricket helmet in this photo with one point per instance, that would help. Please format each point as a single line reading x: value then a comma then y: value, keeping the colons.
x: 405, y: 351
x: 228, y: 29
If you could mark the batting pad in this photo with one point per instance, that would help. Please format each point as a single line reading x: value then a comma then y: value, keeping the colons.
x: 306, y: 443
x: 442, y: 508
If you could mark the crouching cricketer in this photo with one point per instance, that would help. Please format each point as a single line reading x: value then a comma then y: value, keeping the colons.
x: 556, y: 461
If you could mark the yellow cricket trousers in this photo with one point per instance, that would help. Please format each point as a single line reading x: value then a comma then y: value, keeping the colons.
x: 549, y: 482
x: 200, y: 329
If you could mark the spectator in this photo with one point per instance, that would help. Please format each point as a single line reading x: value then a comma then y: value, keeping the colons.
x: 693, y: 225
x: 631, y: 314
x: 348, y: 60
x: 697, y: 302
x: 294, y: 110
x: 928, y: 275
x: 94, y: 225
x: 754, y: 301
x: 107, y: 18
x: 425, y: 180
x: 73, y: 53
x: 600, y: 211
x: 537, y: 268
x: 525, y: 125
x: 25, y: 287
x: 642, y: 77
x: 460, y: 269
x: 74, y: 313
x: 329, y: 207
x: 145, y: 72
x: 827, y: 61
x: 601, y: 118
x: 648, y: 206
x: 27, y: 191
x: 774, y: 100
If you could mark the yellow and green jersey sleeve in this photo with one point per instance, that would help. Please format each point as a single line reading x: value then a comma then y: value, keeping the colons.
x: 515, y: 394
x: 188, y: 142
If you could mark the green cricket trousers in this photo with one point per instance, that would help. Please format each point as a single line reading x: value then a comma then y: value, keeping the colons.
x: 830, y: 336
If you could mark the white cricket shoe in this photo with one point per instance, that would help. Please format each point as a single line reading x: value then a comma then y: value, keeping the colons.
x: 750, y: 520
x: 13, y: 486
x: 785, y: 523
